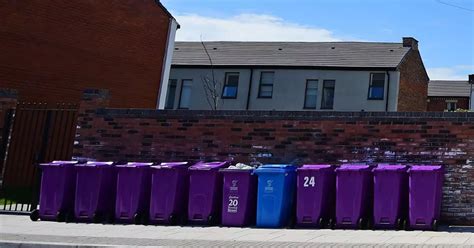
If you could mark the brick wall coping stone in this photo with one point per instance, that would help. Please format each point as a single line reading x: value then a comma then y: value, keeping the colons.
x: 412, y: 117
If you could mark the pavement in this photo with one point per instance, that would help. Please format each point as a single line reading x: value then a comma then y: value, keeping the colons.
x: 20, y: 231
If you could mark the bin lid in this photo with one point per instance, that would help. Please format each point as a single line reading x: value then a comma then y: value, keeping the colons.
x: 208, y: 165
x: 135, y: 164
x: 315, y: 167
x: 425, y: 168
x: 59, y: 163
x: 353, y: 167
x: 64, y: 162
x: 96, y: 164
x: 170, y: 165
x: 275, y: 168
x: 390, y: 167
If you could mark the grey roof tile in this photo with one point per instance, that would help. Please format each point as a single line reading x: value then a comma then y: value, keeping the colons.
x: 298, y: 54
x: 451, y: 88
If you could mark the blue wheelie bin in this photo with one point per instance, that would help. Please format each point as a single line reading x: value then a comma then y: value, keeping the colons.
x: 276, y: 195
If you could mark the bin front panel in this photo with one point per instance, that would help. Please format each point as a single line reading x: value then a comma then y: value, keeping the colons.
x: 205, y: 194
x: 353, y: 198
x: 239, y: 198
x: 57, y: 190
x: 168, y: 193
x: 315, y: 196
x: 275, y: 198
x: 425, y: 197
x: 390, y: 194
x: 87, y: 191
x: 133, y: 185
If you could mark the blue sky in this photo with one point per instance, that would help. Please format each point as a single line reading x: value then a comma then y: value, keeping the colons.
x: 445, y: 28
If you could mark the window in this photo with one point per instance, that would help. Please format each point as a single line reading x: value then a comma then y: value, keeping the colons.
x: 311, y: 94
x: 185, y: 95
x: 171, y: 94
x: 451, y: 106
x: 266, y: 85
x: 376, y: 86
x: 328, y: 94
x: 231, y: 84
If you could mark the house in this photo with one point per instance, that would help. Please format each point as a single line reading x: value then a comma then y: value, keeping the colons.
x: 292, y: 76
x: 52, y: 50
x: 449, y: 95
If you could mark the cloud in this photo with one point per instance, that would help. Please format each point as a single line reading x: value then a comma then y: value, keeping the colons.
x: 247, y: 27
x: 457, y: 72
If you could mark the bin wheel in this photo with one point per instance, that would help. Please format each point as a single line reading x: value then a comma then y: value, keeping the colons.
x: 172, y: 219
x: 144, y: 219
x: 360, y: 223
x: 330, y: 224
x: 406, y: 224
x: 182, y: 220
x: 69, y: 217
x: 435, y: 225
x: 210, y: 219
x: 399, y: 225
x: 108, y: 219
x: 321, y: 223
x: 34, y: 215
x: 96, y: 218
x: 60, y: 216
x: 137, y: 218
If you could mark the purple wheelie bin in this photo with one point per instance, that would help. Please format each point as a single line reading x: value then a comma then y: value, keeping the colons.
x: 239, y: 200
x: 169, y: 193
x: 315, y: 196
x: 353, y: 196
x: 133, y: 193
x: 96, y: 185
x: 425, y: 193
x: 205, y: 192
x: 58, y: 183
x: 390, y: 196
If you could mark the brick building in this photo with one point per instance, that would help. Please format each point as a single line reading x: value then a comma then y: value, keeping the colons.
x: 52, y: 50
x: 448, y: 95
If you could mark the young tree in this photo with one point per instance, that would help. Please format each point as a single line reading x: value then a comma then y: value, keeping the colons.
x: 212, y: 87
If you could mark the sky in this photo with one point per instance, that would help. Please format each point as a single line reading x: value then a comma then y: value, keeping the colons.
x: 444, y: 28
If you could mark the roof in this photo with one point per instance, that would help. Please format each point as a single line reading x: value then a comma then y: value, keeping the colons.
x: 291, y: 54
x: 449, y: 88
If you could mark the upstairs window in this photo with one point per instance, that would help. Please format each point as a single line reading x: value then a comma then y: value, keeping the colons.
x: 171, y: 94
x: 230, y: 85
x: 376, y: 86
x: 311, y: 94
x: 328, y: 94
x: 265, y: 89
x: 185, y: 96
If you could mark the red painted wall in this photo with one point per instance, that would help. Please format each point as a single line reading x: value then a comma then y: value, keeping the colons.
x: 52, y: 50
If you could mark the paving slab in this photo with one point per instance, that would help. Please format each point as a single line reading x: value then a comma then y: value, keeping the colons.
x: 19, y: 231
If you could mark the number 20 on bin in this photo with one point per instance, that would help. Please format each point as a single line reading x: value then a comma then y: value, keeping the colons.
x: 308, y: 182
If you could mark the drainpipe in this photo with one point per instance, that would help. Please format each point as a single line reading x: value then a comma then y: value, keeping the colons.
x: 250, y: 89
x: 388, y: 90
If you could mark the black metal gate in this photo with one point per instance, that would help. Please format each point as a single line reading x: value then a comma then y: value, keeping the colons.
x: 38, y: 134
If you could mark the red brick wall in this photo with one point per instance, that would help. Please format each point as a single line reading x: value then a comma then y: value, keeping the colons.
x: 52, y: 50
x: 439, y: 103
x: 291, y: 137
x: 413, y: 88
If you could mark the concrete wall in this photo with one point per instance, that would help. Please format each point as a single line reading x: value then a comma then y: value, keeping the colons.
x: 289, y: 89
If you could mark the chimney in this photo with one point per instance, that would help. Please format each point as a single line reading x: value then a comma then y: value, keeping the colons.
x: 410, y: 42
x: 471, y: 79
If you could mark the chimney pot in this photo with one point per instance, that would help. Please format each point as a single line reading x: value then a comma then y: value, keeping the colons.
x: 410, y: 42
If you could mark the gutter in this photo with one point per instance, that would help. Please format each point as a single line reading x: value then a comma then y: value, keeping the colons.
x: 249, y: 89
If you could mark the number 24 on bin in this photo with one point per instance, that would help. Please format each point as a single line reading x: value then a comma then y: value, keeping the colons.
x: 308, y: 181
